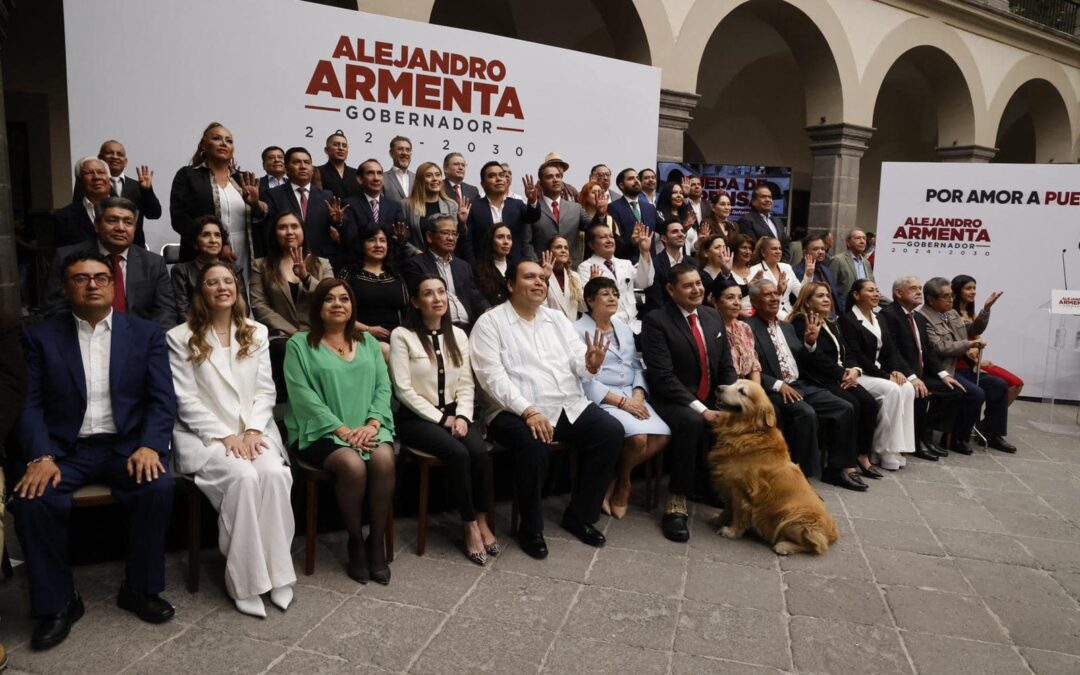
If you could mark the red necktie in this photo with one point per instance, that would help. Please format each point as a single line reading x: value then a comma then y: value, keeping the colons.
x: 119, y: 301
x: 555, y: 209
x: 703, y: 383
x: 303, y: 202
x: 915, y: 337
x: 457, y: 191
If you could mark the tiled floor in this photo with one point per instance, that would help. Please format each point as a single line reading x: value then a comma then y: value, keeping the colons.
x: 970, y: 565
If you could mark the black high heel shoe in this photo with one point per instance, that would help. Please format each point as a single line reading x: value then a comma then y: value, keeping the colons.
x: 492, y: 549
x: 871, y: 472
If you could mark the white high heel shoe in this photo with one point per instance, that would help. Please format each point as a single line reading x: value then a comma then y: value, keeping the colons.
x: 252, y: 606
x: 282, y: 597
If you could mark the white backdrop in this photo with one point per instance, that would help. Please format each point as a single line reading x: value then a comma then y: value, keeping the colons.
x: 1010, y: 224
x: 154, y: 73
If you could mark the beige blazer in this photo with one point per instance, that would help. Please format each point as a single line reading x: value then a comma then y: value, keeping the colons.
x: 215, y: 399
x: 272, y: 304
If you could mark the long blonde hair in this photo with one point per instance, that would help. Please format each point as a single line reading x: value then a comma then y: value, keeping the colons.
x: 200, y: 320
x: 417, y: 200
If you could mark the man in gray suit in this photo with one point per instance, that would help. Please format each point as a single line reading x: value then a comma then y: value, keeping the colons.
x: 850, y: 265
x: 399, y: 181
x: 140, y: 278
x: 558, y: 215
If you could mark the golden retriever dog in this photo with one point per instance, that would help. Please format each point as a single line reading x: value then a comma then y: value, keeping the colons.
x: 761, y: 487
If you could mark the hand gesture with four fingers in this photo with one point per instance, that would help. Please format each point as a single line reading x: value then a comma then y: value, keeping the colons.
x: 249, y: 184
x: 463, y: 207
x: 547, y: 261
x: 813, y: 328
x: 146, y: 177
x: 531, y: 192
x: 337, y: 211
x: 595, y: 350
x: 299, y: 266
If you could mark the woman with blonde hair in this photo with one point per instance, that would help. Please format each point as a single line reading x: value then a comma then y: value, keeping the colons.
x: 765, y: 264
x: 564, y: 289
x: 226, y: 436
x: 427, y: 199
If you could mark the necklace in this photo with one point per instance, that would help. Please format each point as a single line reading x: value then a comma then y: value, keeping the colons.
x: 340, y: 350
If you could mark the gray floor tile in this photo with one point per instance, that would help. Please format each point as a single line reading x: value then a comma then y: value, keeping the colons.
x: 943, y: 614
x: 1058, y: 556
x: 919, y: 491
x: 580, y: 655
x: 838, y: 647
x: 1051, y: 663
x: 208, y: 651
x: 1040, y: 626
x: 843, y: 559
x: 709, y: 546
x: 520, y: 600
x: 994, y: 480
x: 298, y: 662
x: 874, y: 507
x: 686, y: 664
x: 964, y: 517
x: 623, y: 617
x: 1037, y: 525
x: 310, y: 606
x: 1070, y: 581
x: 834, y: 598
x: 424, y: 582
x: 638, y: 571
x: 901, y: 568
x: 1002, y: 548
x: 641, y: 532
x: 1009, y: 582
x: 736, y: 585
x: 744, y: 635
x: 567, y: 560
x: 468, y: 645
x: 913, y: 537
x: 940, y: 654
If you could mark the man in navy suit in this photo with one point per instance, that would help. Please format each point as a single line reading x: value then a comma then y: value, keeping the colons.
x: 814, y: 249
x: 628, y: 211
x: 673, y: 239
x: 74, y: 223
x: 496, y: 207
x: 370, y: 207
x: 466, y: 301
x: 759, y: 222
x: 320, y: 211
x: 100, y: 408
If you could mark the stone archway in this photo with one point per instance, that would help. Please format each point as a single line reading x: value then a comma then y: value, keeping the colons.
x: 1034, y: 124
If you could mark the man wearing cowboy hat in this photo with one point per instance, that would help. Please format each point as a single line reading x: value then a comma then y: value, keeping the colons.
x: 558, y: 215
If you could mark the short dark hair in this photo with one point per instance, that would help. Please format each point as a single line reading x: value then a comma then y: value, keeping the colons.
x: 199, y: 223
x: 431, y: 223
x: 77, y: 257
x: 932, y: 288
x: 114, y: 203
x: 812, y: 236
x: 360, y: 166
x: 641, y: 172
x: 595, y: 167
x: 270, y: 148
x: 622, y: 175
x: 680, y: 269
x: 450, y: 156
x: 590, y: 233
x: 662, y: 226
x: 488, y: 165
x: 292, y: 151
x: 335, y: 134
x: 512, y: 269
x: 395, y: 139
x: 593, y: 288
x: 718, y: 285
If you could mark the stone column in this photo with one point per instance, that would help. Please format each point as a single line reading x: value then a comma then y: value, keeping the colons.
x: 9, y: 279
x: 834, y: 181
x: 676, y: 113
x: 979, y: 154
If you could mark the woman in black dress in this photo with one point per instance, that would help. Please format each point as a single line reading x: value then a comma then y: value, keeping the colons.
x: 491, y: 268
x: 381, y: 296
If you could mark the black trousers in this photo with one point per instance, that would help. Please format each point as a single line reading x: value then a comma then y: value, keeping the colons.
x: 277, y: 366
x: 938, y: 411
x: 865, y: 408
x: 991, y: 390
x: 800, y: 423
x: 467, y: 461
x: 42, y: 523
x: 598, y: 438
x: 689, y: 432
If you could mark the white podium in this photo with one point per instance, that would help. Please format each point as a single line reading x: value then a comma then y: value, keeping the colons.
x: 1061, y: 376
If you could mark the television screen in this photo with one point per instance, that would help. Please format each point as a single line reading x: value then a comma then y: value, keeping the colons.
x: 738, y: 180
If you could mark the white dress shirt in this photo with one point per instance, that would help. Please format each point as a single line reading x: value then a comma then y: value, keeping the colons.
x: 783, y: 355
x: 90, y: 211
x: 458, y: 313
x: 534, y: 363
x: 696, y: 405
x: 627, y: 277
x: 95, y: 347
x: 402, y: 176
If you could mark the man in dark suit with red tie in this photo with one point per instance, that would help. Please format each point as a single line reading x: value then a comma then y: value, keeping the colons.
x: 139, y: 190
x: 321, y: 212
x: 558, y: 215
x: 685, y: 348
x: 370, y: 207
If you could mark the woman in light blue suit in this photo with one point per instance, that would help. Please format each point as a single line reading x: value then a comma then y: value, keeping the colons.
x: 619, y: 388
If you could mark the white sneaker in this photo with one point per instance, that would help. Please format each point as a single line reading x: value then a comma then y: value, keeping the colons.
x: 252, y: 606
x: 282, y: 597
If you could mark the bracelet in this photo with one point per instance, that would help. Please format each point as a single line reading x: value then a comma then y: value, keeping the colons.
x: 622, y: 402
x: 251, y: 432
x: 527, y: 416
x: 41, y: 459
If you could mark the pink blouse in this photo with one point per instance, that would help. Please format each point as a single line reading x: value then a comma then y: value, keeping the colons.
x: 745, y: 359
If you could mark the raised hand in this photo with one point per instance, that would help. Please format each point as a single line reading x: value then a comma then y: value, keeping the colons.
x: 808, y: 259
x: 813, y: 328
x: 991, y: 300
x: 531, y: 192
x: 298, y: 266
x: 760, y: 273
x: 401, y: 230
x: 594, y: 271
x: 547, y: 261
x: 782, y: 284
x: 602, y: 204
x: 596, y: 348
x: 727, y: 258
x: 337, y: 211
x: 685, y: 185
x: 463, y: 207
x: 146, y: 177
x: 249, y: 185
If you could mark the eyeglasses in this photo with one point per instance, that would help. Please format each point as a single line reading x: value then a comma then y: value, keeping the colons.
x: 100, y: 279
x: 222, y: 281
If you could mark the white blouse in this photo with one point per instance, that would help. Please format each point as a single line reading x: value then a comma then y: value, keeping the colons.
x: 872, y: 325
x: 421, y: 382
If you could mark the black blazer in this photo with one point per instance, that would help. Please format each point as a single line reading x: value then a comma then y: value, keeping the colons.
x: 656, y: 294
x: 770, y: 364
x: 317, y: 224
x: 895, y: 323
x: 359, y: 216
x: 147, y: 202
x: 824, y: 363
x: 464, y: 284
x: 516, y: 213
x: 864, y: 347
x: 469, y: 192
x: 148, y: 287
x: 672, y: 364
x: 753, y: 224
x: 620, y: 212
x: 12, y: 375
x: 72, y: 225
x: 342, y: 186
x: 191, y: 196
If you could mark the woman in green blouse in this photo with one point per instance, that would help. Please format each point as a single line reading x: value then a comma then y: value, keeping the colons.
x: 339, y: 418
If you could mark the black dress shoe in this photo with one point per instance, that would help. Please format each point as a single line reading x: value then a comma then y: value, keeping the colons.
x: 533, y: 545
x: 150, y: 607
x: 357, y: 572
x: 934, y: 449
x: 961, y: 447
x: 922, y: 453
x: 871, y: 472
x: 849, y: 481
x: 583, y: 531
x: 999, y: 443
x: 674, y: 527
x: 53, y: 629
x: 380, y: 576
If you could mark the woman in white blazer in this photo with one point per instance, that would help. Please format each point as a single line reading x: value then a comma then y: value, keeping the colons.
x: 564, y: 288
x: 766, y: 265
x: 225, y: 435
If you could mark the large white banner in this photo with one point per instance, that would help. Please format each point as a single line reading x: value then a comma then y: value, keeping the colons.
x: 1014, y: 228
x: 154, y: 73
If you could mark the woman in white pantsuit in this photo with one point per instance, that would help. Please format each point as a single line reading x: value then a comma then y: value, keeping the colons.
x: 225, y: 435
x: 882, y: 375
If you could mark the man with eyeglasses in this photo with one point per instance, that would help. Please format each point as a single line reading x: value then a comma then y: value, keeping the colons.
x: 466, y: 301
x: 100, y: 409
x: 141, y: 282
x: 601, y: 175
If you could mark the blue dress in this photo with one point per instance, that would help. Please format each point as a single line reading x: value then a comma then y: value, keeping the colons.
x: 621, y: 374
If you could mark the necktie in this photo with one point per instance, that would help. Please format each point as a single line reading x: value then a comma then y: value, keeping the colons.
x: 915, y: 337
x: 703, y: 383
x: 119, y: 301
x: 457, y: 191
x: 555, y: 209
x: 303, y: 202
x: 636, y: 208
x: 768, y: 221
x: 117, y: 186
x: 375, y: 209
x: 611, y: 266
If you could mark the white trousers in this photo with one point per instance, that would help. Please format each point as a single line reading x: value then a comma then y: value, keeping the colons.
x: 894, y: 434
x: 255, y: 519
